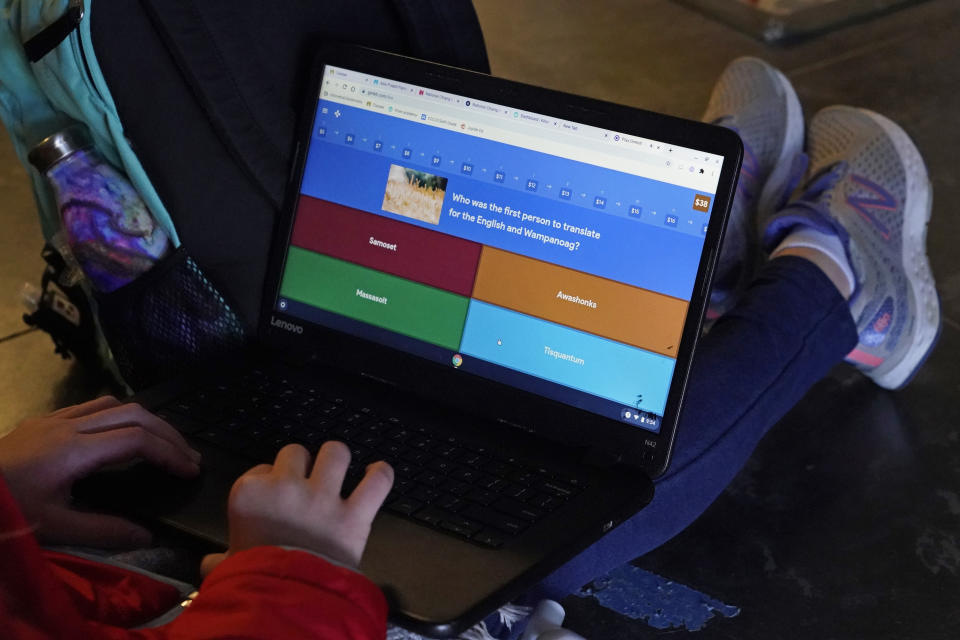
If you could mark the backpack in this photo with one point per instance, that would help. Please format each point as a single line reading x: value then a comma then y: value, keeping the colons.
x: 195, y: 101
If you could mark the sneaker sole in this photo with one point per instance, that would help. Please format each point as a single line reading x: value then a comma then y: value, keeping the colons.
x: 922, y: 288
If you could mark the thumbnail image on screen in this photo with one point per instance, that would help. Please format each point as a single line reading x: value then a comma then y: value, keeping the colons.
x: 414, y: 194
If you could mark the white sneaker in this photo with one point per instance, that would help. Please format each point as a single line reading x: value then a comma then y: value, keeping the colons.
x: 869, y: 185
x: 759, y: 104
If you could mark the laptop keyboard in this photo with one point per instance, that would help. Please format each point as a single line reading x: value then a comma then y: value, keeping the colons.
x: 441, y: 481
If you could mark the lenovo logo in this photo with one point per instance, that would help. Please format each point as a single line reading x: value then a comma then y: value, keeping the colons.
x: 286, y: 326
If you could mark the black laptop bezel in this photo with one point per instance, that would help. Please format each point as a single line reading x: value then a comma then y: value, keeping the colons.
x: 444, y: 384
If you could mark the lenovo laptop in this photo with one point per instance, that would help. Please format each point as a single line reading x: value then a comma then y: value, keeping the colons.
x: 495, y: 287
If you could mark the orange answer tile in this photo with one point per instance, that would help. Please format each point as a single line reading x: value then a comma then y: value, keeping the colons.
x: 613, y: 310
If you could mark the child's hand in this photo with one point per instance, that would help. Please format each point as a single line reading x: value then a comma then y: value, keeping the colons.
x: 289, y: 504
x: 43, y: 457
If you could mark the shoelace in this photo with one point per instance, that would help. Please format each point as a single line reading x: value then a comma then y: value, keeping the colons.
x: 821, y: 182
x: 798, y: 168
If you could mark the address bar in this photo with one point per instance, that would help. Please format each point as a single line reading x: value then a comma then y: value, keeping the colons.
x: 576, y: 141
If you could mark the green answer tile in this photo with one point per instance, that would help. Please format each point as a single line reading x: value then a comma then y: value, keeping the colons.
x: 387, y: 301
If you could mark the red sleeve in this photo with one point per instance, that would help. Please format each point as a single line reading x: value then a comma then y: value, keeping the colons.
x: 266, y: 592
x: 33, y: 602
x: 284, y: 594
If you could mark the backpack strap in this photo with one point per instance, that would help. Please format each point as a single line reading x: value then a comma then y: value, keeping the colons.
x: 444, y: 31
x: 56, y: 32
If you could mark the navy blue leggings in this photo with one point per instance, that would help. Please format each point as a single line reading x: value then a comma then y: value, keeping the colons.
x: 757, y: 361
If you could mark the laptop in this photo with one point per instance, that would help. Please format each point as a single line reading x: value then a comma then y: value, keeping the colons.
x: 495, y: 287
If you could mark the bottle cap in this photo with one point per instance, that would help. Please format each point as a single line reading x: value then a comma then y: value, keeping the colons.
x: 59, y: 146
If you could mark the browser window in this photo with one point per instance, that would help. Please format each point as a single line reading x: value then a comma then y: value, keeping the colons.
x: 549, y: 255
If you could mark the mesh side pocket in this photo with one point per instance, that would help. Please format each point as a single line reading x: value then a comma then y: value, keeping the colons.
x: 171, y: 319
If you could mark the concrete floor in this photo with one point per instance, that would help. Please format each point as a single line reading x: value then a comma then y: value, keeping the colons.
x: 846, y: 523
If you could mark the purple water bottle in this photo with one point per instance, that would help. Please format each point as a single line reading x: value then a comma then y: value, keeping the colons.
x: 109, y: 229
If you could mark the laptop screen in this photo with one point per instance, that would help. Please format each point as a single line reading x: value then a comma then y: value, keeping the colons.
x: 548, y: 255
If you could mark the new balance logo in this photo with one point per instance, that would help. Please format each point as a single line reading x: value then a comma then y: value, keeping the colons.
x: 877, y: 198
x: 876, y: 331
x: 286, y: 326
